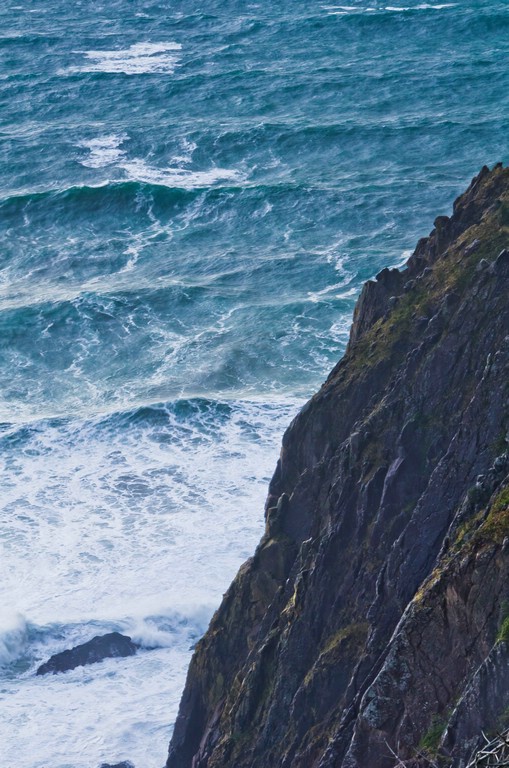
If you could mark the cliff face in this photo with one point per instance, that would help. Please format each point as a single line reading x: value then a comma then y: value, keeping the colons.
x: 373, y: 616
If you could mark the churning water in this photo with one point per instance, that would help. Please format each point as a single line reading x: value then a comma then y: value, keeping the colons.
x: 191, y: 197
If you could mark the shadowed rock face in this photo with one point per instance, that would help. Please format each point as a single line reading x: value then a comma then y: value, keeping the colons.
x: 372, y: 618
x: 99, y: 648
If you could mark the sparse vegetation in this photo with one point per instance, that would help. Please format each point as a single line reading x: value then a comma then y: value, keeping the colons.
x: 353, y: 633
x: 431, y: 739
x: 503, y: 632
x: 496, y: 526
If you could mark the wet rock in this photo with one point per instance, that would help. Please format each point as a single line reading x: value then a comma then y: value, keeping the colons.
x: 100, y: 647
x: 124, y: 764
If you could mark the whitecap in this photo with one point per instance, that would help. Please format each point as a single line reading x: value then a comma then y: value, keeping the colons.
x: 340, y: 330
x: 103, y: 150
x: 327, y: 293
x: 346, y: 10
x: 13, y: 630
x: 139, y: 58
x: 401, y: 262
x: 421, y: 7
x: 175, y: 177
x: 171, y: 628
x: 187, y: 149
x: 263, y: 211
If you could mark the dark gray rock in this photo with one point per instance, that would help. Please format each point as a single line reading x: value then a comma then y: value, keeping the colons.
x: 99, y: 648
x: 501, y: 265
x: 124, y: 764
x: 373, y: 614
x: 484, y: 701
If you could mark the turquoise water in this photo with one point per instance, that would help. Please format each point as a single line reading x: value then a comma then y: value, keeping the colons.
x: 191, y: 199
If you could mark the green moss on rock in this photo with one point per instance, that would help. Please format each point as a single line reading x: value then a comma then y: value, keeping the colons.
x: 430, y: 742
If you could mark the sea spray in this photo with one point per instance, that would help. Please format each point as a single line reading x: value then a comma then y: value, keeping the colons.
x: 191, y: 200
x: 13, y: 636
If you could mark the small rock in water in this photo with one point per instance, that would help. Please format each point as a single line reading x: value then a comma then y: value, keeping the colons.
x: 100, y: 647
x: 124, y: 764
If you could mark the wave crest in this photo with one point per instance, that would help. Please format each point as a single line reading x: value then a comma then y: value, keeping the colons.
x: 138, y: 59
x: 13, y: 636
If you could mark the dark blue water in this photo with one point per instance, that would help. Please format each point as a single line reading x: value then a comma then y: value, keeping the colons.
x: 191, y: 198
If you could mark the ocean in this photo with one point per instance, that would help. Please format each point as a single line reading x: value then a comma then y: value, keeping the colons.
x: 191, y: 198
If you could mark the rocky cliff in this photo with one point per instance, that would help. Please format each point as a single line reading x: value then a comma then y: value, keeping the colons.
x: 373, y: 619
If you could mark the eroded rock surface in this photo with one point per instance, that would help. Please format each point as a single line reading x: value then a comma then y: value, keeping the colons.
x: 372, y: 619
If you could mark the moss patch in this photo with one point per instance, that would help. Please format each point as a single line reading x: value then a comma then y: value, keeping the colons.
x: 503, y: 632
x: 429, y: 743
x: 346, y: 643
x: 353, y: 634
x: 496, y: 526
x: 466, y: 531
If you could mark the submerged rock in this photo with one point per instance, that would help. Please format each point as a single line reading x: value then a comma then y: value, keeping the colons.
x: 373, y: 619
x: 99, y: 648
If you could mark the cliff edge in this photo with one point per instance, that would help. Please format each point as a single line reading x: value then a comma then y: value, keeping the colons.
x: 373, y: 619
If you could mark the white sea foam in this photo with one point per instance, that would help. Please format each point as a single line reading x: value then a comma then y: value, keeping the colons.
x: 126, y: 518
x: 181, y: 178
x: 103, y: 150
x: 345, y: 10
x: 125, y: 521
x: 263, y: 211
x: 400, y: 263
x: 162, y: 632
x: 329, y: 292
x: 340, y: 330
x: 12, y: 635
x: 138, y: 59
x: 120, y: 709
x: 187, y: 149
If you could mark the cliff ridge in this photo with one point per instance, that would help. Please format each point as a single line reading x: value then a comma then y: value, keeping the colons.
x: 373, y: 619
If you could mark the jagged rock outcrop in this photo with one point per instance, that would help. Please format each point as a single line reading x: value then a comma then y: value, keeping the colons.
x: 97, y: 649
x: 372, y: 619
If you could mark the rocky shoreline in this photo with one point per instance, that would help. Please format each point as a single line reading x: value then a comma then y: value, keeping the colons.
x: 373, y: 620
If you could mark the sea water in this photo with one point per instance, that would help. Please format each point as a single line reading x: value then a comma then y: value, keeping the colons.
x: 191, y: 197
